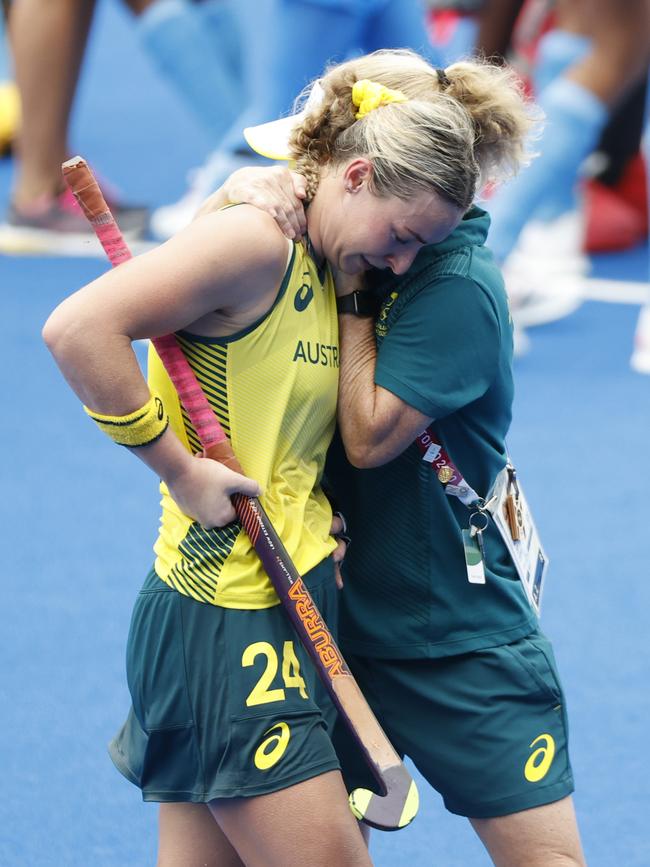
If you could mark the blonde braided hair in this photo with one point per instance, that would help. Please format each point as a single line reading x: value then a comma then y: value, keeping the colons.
x: 459, y: 128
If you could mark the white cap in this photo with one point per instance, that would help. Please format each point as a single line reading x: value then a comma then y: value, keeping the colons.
x: 271, y: 140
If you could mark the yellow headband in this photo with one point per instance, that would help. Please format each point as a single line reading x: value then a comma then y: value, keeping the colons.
x: 369, y: 95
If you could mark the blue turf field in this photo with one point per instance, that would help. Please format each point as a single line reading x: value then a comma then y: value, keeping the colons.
x: 78, y: 520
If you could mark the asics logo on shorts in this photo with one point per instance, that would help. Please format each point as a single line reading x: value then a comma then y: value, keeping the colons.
x: 540, y: 761
x: 273, y: 747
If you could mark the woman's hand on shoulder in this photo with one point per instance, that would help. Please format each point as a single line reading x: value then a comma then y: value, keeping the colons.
x: 203, y: 490
x: 274, y: 189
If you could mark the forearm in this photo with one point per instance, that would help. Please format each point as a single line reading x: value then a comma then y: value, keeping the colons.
x: 100, y: 367
x: 357, y: 412
x: 167, y: 457
x: 496, y: 21
x: 376, y: 424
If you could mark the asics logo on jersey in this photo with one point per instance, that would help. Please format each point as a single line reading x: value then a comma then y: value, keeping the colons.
x: 540, y: 761
x: 273, y: 747
x: 304, y: 295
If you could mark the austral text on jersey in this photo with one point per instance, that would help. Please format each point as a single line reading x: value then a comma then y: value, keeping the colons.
x: 312, y: 352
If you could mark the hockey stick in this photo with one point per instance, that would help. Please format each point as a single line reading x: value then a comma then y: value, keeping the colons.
x: 397, y: 804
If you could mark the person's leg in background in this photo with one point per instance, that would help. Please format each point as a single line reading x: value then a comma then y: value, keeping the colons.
x: 585, y: 70
x: 286, y: 51
x: 48, y: 41
x: 558, y: 222
x: 615, y: 201
x: 614, y: 216
x: 223, y: 19
x: 198, y: 53
x: 577, y: 105
x: 306, y: 35
x: 496, y: 20
x: 291, y: 42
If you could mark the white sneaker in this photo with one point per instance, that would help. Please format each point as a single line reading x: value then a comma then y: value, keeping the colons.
x: 640, y: 360
x: 545, y: 273
x: 555, y: 245
x: 538, y: 298
x: 202, y: 182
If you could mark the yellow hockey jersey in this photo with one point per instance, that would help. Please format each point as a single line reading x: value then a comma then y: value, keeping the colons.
x: 273, y: 387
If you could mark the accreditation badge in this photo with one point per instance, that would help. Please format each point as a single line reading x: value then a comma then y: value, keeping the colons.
x: 473, y: 557
x: 514, y: 521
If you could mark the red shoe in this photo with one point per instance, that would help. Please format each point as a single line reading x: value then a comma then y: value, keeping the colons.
x: 613, y: 223
x: 633, y: 185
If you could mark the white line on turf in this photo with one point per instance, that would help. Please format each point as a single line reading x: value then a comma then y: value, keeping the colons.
x: 615, y: 291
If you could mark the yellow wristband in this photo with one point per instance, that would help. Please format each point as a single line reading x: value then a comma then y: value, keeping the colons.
x: 138, y: 428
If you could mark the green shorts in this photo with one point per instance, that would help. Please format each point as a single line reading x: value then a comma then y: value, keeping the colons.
x: 225, y: 702
x: 487, y: 729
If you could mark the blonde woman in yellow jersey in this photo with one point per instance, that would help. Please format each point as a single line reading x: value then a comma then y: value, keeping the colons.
x: 228, y: 729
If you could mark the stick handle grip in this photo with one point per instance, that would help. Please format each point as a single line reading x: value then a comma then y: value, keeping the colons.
x: 86, y: 191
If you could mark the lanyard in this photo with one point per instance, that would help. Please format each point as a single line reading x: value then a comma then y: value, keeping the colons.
x: 448, y: 473
x: 455, y: 485
x: 508, y: 508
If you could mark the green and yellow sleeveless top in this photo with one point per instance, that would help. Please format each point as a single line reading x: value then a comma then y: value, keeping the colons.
x: 273, y: 387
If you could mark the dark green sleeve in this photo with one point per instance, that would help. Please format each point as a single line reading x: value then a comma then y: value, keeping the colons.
x: 442, y: 351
